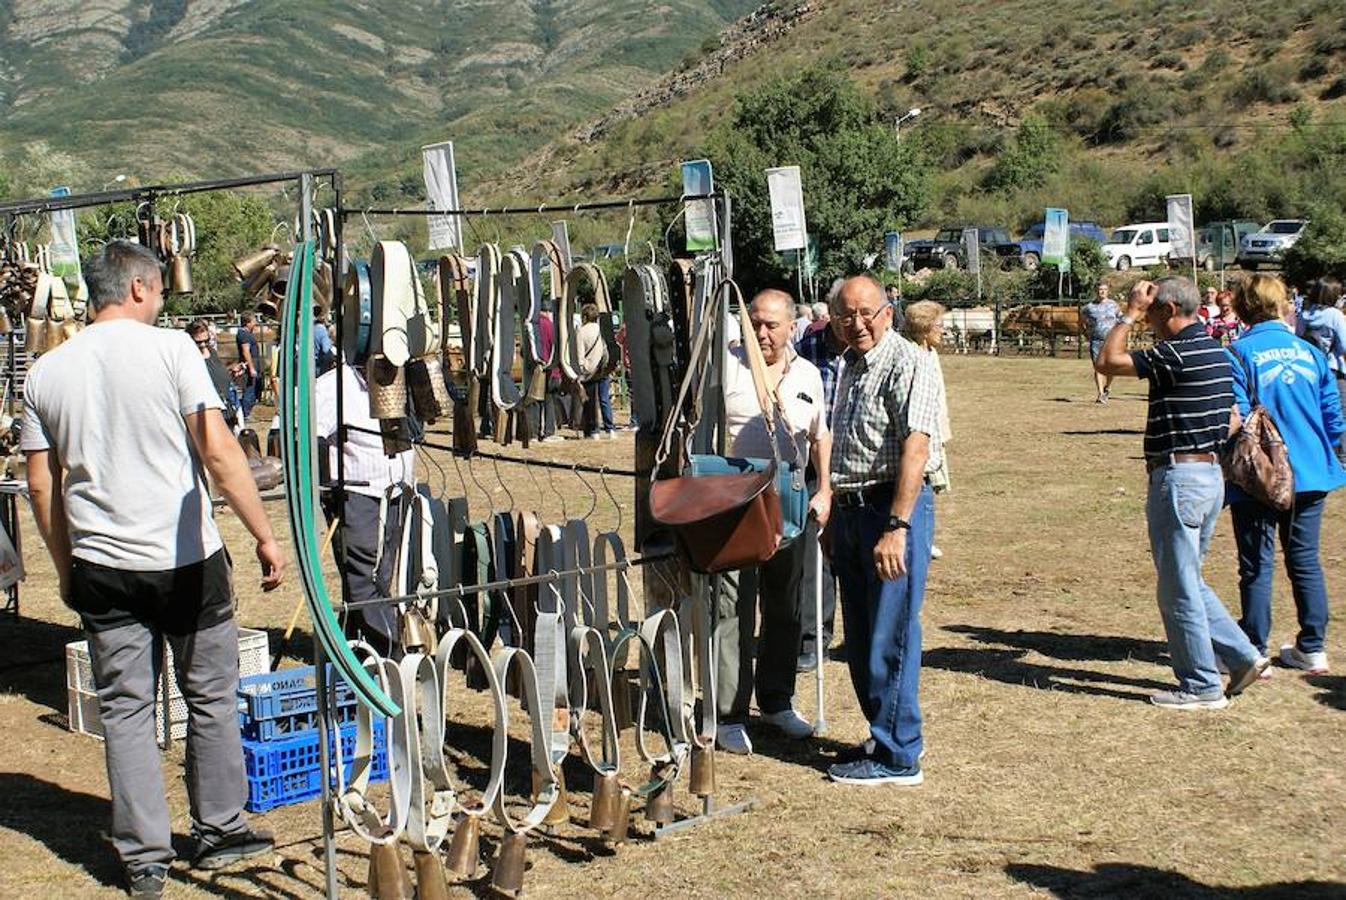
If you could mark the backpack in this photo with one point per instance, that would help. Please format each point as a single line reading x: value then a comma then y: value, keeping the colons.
x: 1255, y: 457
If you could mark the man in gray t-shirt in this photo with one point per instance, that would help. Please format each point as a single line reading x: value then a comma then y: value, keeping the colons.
x: 121, y: 426
x: 1097, y: 318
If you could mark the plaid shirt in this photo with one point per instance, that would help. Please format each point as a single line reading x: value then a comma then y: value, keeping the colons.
x: 815, y: 347
x: 884, y: 395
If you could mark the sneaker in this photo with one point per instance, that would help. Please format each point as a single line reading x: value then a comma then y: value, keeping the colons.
x: 147, y: 882
x: 1314, y: 663
x: 935, y: 552
x: 790, y: 722
x: 858, y: 752
x: 1240, y: 680
x: 808, y: 661
x: 1265, y: 676
x: 1184, y: 700
x: 552, y: 439
x: 733, y: 738
x: 871, y: 771
x: 218, y: 852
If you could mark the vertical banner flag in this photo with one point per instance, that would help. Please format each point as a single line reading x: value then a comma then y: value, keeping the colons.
x: 811, y: 252
x: 787, y: 208
x: 892, y: 251
x: 441, y: 192
x: 1180, y: 235
x: 698, y: 180
x: 560, y: 235
x: 1056, y: 238
x: 972, y: 247
x: 65, y: 247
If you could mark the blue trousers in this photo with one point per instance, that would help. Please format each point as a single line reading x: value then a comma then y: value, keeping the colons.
x: 1255, y: 530
x: 883, y: 622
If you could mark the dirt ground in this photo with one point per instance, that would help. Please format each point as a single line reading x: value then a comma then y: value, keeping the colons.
x: 1048, y: 772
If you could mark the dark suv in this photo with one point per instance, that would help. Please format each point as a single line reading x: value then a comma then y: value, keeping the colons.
x: 945, y: 250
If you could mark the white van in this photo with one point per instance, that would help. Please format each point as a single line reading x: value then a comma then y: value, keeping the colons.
x: 1145, y: 244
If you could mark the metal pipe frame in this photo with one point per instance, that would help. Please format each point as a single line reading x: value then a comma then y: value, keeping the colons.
x: 526, y: 210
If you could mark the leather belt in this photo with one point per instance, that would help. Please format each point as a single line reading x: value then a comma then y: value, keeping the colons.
x: 1170, y: 458
x: 455, y: 292
x: 394, y: 287
x: 874, y: 495
x: 488, y: 302
x: 515, y: 300
x: 358, y: 312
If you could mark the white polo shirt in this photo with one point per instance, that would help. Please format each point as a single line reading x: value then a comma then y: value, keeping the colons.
x: 801, y: 397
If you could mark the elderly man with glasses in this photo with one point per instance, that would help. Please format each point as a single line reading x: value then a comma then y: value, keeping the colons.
x: 882, y: 524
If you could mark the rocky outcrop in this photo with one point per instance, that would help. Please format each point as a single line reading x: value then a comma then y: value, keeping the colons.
x: 768, y: 23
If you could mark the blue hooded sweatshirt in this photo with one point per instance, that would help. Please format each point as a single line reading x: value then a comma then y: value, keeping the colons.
x: 1297, y: 386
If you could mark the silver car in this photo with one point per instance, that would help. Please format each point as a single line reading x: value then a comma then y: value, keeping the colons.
x: 1269, y: 244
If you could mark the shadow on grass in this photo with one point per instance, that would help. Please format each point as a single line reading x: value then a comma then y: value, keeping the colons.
x: 1007, y: 666
x: 1110, y: 648
x: 37, y: 668
x: 1136, y: 881
x: 1331, y: 690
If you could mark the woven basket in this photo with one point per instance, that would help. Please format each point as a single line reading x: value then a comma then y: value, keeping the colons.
x: 387, y: 388
x: 429, y: 393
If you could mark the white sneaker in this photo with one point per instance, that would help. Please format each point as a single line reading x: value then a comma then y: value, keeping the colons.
x: 935, y: 552
x: 734, y: 739
x: 1183, y: 700
x: 1313, y: 663
x: 790, y: 722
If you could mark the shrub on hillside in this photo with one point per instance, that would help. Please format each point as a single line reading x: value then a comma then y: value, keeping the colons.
x: 1321, y: 249
x: 1034, y: 154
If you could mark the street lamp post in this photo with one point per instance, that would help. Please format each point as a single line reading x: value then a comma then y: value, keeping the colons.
x: 897, y: 123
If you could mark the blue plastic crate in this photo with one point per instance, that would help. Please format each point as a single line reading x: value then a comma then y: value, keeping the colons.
x: 287, y: 692
x: 299, y: 752
x: 295, y: 786
x: 288, y: 725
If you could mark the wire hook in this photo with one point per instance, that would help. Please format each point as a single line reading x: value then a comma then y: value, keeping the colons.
x: 593, y: 494
x: 495, y: 463
x: 607, y: 488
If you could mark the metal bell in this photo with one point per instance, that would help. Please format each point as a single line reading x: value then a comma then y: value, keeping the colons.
x: 431, y: 882
x: 621, y: 699
x: 603, y: 807
x: 245, y: 267
x: 659, y: 803
x: 179, y: 275
x: 621, y: 817
x: 559, y: 814
x: 465, y: 847
x: 387, y: 880
x: 702, y: 780
x: 507, y: 873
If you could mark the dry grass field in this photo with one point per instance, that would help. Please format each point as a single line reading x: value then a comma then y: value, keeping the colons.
x: 1048, y: 773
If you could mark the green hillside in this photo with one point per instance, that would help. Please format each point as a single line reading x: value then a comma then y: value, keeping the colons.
x: 181, y: 89
x: 1096, y: 106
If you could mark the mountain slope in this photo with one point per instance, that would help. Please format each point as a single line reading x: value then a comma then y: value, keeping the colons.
x: 205, y: 87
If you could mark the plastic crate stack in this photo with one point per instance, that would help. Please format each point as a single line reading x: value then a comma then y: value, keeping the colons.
x: 277, y: 713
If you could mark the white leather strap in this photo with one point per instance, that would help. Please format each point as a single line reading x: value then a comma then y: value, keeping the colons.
x: 547, y: 788
x: 488, y: 300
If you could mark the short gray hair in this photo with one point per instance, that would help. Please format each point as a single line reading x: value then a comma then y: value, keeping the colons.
x: 110, y: 271
x: 819, y: 310
x: 1179, y: 291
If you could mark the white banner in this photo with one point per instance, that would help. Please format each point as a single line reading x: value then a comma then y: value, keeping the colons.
x: 1182, y: 241
x: 441, y: 192
x: 65, y: 252
x: 972, y: 247
x: 11, y: 564
x: 787, y: 208
x: 560, y: 235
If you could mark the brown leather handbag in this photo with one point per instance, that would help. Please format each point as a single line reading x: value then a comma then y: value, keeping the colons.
x: 722, y: 521
x: 1255, y: 457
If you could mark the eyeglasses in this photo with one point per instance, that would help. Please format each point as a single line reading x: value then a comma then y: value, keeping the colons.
x: 864, y: 316
x: 203, y: 343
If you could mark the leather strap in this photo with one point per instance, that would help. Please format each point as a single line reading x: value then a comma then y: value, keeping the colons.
x: 548, y: 791
x: 636, y: 315
x: 545, y: 253
x: 430, y: 783
x: 567, y: 338
x: 499, y: 734
x: 363, y: 818
x: 515, y: 299
x: 395, y: 288
x: 358, y: 313
x: 483, y: 615
x: 488, y: 301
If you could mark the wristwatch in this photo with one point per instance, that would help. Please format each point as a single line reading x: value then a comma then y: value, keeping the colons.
x: 1128, y: 319
x: 895, y: 523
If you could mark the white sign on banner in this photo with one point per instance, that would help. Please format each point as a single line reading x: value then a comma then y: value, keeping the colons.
x: 1180, y: 234
x: 441, y: 192
x: 699, y: 180
x: 11, y: 563
x: 1055, y: 237
x: 787, y: 208
x: 560, y: 235
x: 972, y: 247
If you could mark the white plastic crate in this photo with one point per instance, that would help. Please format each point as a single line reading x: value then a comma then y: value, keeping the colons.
x: 254, y: 658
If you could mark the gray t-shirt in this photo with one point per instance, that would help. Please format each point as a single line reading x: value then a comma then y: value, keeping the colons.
x: 1101, y: 316
x: 110, y: 402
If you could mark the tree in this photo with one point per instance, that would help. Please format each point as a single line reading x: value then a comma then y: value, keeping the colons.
x: 1026, y: 163
x: 858, y: 180
x: 1087, y: 265
x: 1320, y: 250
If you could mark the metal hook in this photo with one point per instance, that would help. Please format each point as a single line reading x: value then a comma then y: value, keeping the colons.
x: 369, y: 228
x: 495, y: 463
x: 443, y: 473
x: 278, y: 227
x: 630, y: 226
x: 669, y: 230
x: 564, y: 515
x: 607, y: 488
x: 457, y: 468
x: 593, y: 494
x: 490, y: 501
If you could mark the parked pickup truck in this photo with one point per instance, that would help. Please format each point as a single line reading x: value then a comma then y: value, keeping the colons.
x: 1027, y: 251
x: 945, y: 250
x: 1269, y: 244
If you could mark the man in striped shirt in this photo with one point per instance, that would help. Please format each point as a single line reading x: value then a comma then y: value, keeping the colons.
x: 1191, y: 395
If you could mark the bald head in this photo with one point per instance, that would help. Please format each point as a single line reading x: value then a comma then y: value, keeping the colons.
x: 772, y: 315
x: 861, y: 312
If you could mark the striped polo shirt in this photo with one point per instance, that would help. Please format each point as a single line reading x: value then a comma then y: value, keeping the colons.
x: 1191, y: 392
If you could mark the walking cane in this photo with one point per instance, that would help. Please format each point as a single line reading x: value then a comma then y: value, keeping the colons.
x: 819, y: 717
x: 299, y: 607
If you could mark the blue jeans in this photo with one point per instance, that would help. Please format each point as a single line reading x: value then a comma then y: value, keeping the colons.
x: 1255, y: 528
x: 883, y: 622
x: 1182, y: 508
